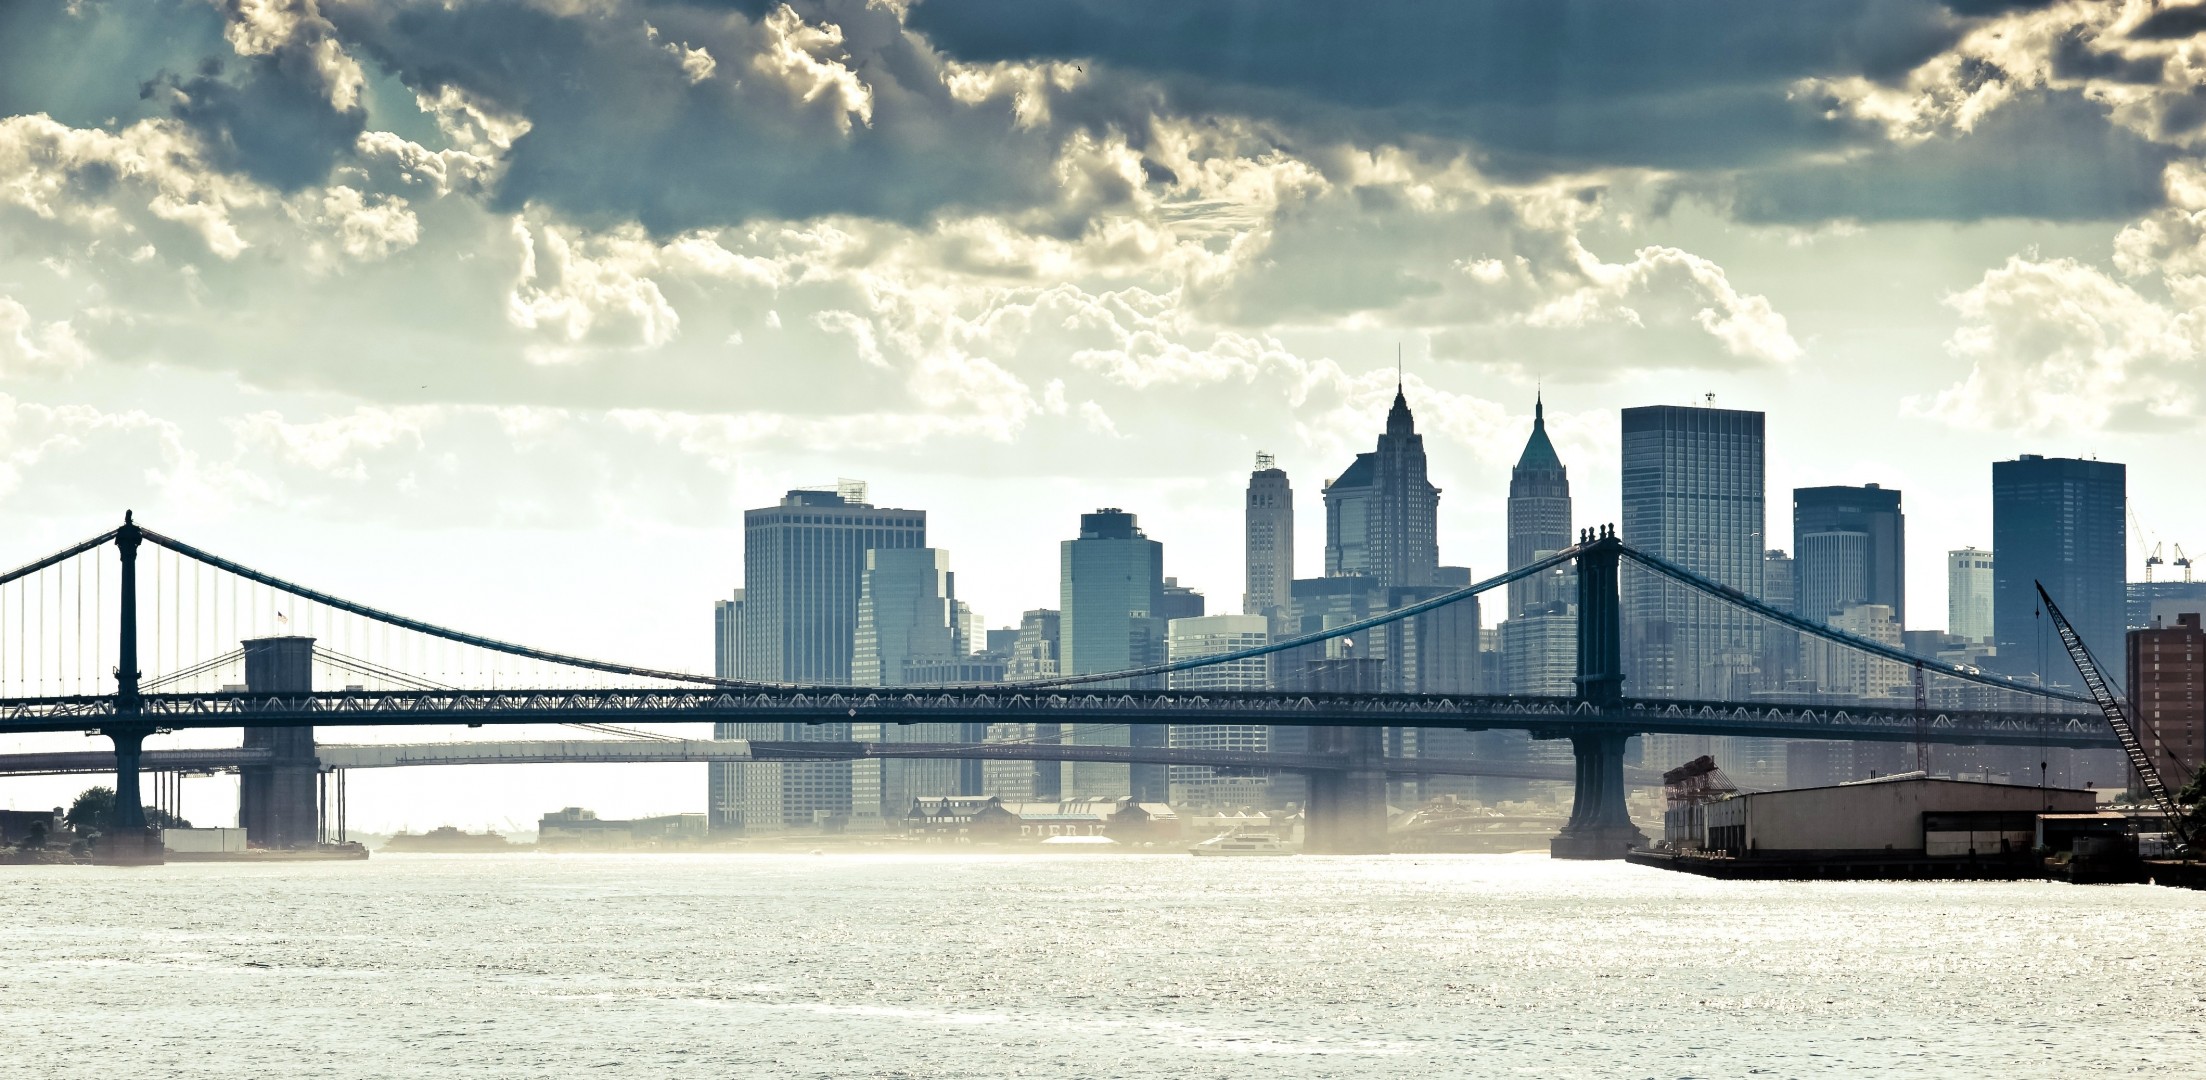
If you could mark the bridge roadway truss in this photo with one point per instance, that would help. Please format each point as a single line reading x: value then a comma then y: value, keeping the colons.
x: 1549, y: 717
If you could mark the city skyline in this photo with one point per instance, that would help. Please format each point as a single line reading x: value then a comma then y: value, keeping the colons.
x: 466, y: 338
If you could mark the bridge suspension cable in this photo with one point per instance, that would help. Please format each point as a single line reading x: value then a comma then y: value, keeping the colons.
x: 1407, y: 611
x: 1831, y: 634
x: 429, y: 629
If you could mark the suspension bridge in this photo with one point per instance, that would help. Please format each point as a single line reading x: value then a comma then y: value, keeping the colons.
x: 231, y: 646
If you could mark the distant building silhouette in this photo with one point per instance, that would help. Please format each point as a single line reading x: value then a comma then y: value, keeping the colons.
x: 1539, y: 517
x: 723, y: 779
x: 1209, y: 635
x: 909, y: 634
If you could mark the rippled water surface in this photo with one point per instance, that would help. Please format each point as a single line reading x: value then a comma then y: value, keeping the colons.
x: 1080, y: 966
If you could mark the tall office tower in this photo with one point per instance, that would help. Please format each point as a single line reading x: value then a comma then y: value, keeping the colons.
x: 1539, y: 516
x: 1852, y: 544
x: 2167, y: 694
x: 908, y: 631
x: 2059, y: 521
x: 1969, y: 595
x: 1210, y: 635
x: 1381, y: 516
x: 803, y: 569
x: 1692, y: 479
x: 1110, y: 595
x: 1269, y: 542
x: 1693, y: 497
x: 723, y: 779
x: 1035, y: 651
x: 1777, y: 580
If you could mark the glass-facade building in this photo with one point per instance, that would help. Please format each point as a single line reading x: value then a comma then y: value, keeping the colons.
x: 2061, y: 521
x: 1110, y: 600
x: 1693, y: 496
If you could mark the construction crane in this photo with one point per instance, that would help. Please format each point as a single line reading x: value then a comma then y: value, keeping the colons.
x: 2181, y: 562
x: 2086, y: 665
x: 2152, y: 560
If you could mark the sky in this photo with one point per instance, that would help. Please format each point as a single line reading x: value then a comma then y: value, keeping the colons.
x: 499, y: 312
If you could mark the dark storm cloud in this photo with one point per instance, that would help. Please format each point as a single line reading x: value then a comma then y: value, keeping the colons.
x: 2172, y: 24
x: 268, y: 117
x: 1578, y: 82
x: 2050, y: 157
x: 618, y: 133
x: 2074, y: 58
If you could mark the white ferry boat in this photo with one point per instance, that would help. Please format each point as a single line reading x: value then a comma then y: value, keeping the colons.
x: 1242, y: 843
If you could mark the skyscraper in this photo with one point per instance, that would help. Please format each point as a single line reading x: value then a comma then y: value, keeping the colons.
x: 803, y: 570
x: 1209, y: 635
x: 803, y: 565
x: 908, y: 630
x: 2060, y: 521
x: 1111, y: 594
x: 1539, y: 515
x: 1381, y: 516
x: 1969, y: 595
x: 723, y: 779
x: 1268, y: 541
x: 1852, y: 545
x: 1693, y: 497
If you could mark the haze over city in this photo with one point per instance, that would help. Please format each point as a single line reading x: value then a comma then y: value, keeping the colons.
x: 501, y: 314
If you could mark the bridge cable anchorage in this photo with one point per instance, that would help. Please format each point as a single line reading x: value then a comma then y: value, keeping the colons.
x: 1841, y: 637
x: 2111, y: 707
x: 430, y: 629
x: 1398, y: 614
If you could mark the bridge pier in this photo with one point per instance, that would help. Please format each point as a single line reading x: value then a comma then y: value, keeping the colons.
x: 127, y: 841
x: 277, y: 801
x: 1599, y: 826
x: 1346, y: 811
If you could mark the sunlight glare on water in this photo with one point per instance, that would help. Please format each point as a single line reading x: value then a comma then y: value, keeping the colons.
x: 1080, y: 966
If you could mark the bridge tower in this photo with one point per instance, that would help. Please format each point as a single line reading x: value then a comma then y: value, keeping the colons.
x: 127, y: 840
x: 1599, y: 826
x: 277, y: 800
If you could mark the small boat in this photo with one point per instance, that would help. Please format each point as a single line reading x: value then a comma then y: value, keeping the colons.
x: 1242, y: 843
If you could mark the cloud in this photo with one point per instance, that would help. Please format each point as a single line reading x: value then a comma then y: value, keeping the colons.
x: 2049, y: 157
x: 28, y: 347
x: 2055, y: 344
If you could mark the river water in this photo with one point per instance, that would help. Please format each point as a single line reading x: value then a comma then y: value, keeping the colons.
x: 1080, y: 966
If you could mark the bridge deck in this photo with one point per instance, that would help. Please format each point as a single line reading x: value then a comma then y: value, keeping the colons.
x: 1543, y: 717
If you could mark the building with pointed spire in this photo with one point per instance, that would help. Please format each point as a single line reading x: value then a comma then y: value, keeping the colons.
x: 1382, y: 515
x: 1539, y: 515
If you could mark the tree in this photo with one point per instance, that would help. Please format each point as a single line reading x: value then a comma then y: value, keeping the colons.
x: 92, y: 810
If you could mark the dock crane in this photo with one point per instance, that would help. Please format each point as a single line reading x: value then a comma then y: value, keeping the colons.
x: 2093, y: 679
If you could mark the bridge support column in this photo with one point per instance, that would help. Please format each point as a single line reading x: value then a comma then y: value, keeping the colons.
x: 277, y: 801
x: 1346, y: 811
x: 1599, y: 826
x: 127, y: 841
